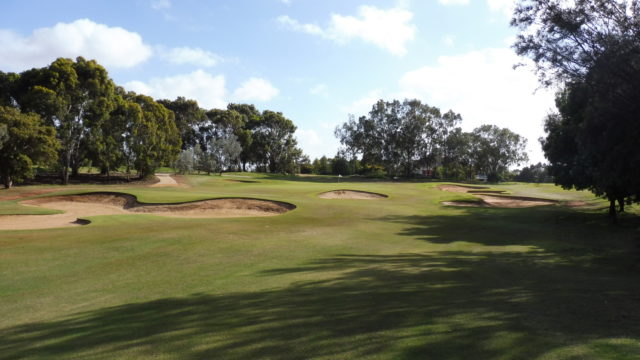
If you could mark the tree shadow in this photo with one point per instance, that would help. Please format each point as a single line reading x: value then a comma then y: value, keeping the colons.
x: 453, y: 305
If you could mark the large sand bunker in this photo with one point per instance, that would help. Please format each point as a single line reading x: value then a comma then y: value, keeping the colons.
x: 351, y: 194
x: 492, y: 198
x: 77, y: 206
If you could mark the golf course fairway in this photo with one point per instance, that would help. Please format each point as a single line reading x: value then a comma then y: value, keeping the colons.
x: 404, y: 276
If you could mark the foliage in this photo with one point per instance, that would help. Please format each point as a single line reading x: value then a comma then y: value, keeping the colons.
x: 103, y: 125
x: 536, y: 173
x: 156, y: 137
x: 397, y: 135
x: 496, y: 149
x: 222, y: 152
x: 186, y: 161
x: 401, y: 137
x: 27, y: 142
x: 591, y: 50
x: 188, y: 117
x: 75, y: 97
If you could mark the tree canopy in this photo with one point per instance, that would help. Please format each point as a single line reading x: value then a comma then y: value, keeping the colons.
x: 404, y: 136
x: 590, y: 49
x: 97, y: 123
x: 24, y: 141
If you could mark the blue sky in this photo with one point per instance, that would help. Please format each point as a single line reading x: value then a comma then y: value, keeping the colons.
x: 315, y: 61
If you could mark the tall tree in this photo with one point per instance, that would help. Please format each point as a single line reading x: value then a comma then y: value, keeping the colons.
x: 73, y: 97
x: 591, y: 50
x: 27, y: 142
x: 223, y: 151
x: 457, y: 157
x: 274, y: 141
x: 398, y: 135
x: 155, y: 139
x: 250, y: 120
x: 496, y: 149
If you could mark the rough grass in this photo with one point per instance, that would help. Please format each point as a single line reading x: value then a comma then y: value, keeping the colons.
x: 402, y: 278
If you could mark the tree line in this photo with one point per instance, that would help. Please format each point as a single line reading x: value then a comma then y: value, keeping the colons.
x: 590, y: 49
x: 71, y: 114
x: 409, y: 137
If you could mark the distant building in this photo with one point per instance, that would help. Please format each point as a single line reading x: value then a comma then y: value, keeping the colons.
x: 482, y: 177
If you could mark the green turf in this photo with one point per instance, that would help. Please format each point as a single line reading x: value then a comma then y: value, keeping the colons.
x: 397, y: 278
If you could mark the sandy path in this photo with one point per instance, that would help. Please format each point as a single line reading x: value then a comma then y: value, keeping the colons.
x: 165, y: 180
x: 77, y: 207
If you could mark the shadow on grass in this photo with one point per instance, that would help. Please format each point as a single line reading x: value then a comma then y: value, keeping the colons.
x: 441, y: 305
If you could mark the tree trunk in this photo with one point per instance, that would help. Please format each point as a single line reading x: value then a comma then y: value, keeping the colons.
x: 65, y: 175
x: 621, y: 204
x: 7, y: 182
x: 612, y: 211
x: 75, y: 166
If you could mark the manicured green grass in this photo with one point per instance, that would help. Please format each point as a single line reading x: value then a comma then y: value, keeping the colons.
x: 397, y: 278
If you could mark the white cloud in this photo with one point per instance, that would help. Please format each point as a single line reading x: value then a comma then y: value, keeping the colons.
x: 363, y: 105
x: 454, y: 2
x: 389, y: 29
x: 160, y: 4
x: 294, y: 24
x: 485, y: 89
x: 317, y: 143
x: 504, y: 6
x: 320, y: 89
x: 110, y: 46
x: 449, y: 40
x: 193, y: 56
x: 208, y: 90
x: 255, y: 89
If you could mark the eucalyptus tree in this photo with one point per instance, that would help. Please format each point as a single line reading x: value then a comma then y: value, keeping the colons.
x: 223, y: 152
x: 495, y: 149
x: 24, y: 142
x: 250, y: 120
x: 71, y: 96
x: 397, y: 135
x: 274, y: 142
x: 189, y: 117
x: 590, y: 49
x: 154, y: 137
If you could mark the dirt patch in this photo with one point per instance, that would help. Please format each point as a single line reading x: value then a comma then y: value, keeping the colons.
x: 351, y: 194
x: 77, y: 206
x: 15, y: 194
x: 492, y: 198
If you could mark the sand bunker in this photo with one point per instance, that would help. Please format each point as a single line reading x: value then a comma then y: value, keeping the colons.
x: 491, y: 198
x: 165, y: 180
x: 77, y: 206
x: 351, y: 194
